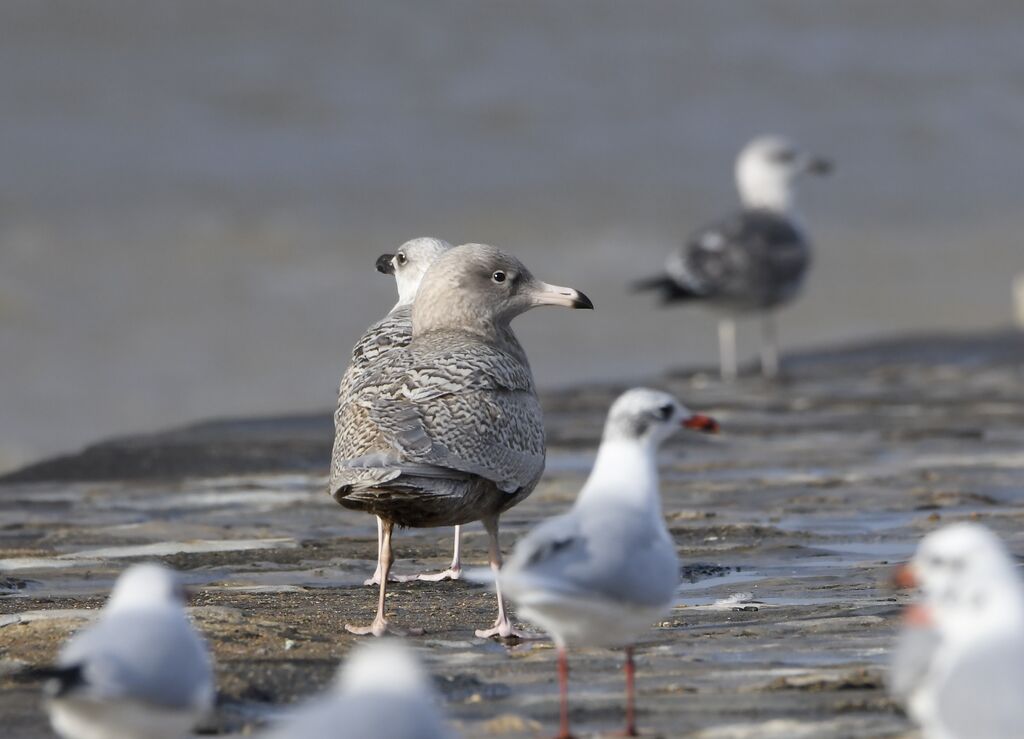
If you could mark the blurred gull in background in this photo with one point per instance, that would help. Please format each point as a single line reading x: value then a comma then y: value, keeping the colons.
x: 140, y: 671
x: 382, y: 692
x: 959, y: 664
x: 607, y: 570
x: 754, y: 261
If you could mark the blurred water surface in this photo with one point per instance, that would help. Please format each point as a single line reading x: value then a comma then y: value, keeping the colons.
x: 192, y: 194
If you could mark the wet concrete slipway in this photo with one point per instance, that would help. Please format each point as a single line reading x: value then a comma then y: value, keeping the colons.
x: 787, y: 524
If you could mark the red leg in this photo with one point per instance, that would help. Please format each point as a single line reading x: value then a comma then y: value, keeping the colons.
x: 563, y: 688
x: 630, y: 694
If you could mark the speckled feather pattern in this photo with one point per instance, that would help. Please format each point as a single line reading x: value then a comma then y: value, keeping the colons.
x: 449, y: 419
x: 752, y: 260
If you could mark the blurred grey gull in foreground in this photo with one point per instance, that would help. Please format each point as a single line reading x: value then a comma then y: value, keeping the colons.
x: 604, y: 572
x: 382, y: 692
x: 959, y: 663
x: 753, y: 261
x: 408, y: 265
x: 141, y: 670
x: 448, y: 429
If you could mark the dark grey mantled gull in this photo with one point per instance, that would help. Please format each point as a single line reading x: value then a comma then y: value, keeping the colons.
x: 753, y: 261
x: 408, y: 265
x: 382, y: 692
x: 959, y: 664
x: 605, y: 571
x: 448, y: 429
x: 141, y: 670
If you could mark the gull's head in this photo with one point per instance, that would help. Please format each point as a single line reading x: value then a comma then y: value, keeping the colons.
x: 410, y: 263
x: 148, y: 585
x: 651, y: 416
x: 767, y: 170
x: 479, y: 288
x: 967, y: 580
x: 385, y: 666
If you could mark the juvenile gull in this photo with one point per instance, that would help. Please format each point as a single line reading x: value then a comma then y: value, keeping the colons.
x: 602, y: 573
x: 382, y: 692
x: 408, y: 266
x: 753, y: 261
x: 140, y: 670
x: 959, y: 663
x: 448, y: 429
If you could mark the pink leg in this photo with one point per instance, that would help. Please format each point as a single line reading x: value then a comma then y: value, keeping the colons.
x: 502, y: 625
x: 630, y: 694
x: 563, y: 690
x: 380, y: 625
x: 454, y: 572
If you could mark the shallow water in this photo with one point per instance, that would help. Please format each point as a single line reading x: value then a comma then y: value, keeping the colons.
x: 191, y: 199
x: 781, y: 627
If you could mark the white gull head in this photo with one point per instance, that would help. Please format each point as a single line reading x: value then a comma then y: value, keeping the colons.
x: 767, y: 169
x: 386, y: 666
x: 144, y: 586
x: 410, y: 263
x: 649, y: 417
x: 968, y: 581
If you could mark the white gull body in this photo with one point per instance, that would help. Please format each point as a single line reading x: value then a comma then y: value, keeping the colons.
x: 604, y: 572
x: 382, y: 692
x: 959, y: 664
x: 753, y: 261
x: 140, y: 672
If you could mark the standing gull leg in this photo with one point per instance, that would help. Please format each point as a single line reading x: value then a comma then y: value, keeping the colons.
x: 630, y: 668
x: 454, y: 571
x: 769, y: 347
x: 727, y: 348
x: 563, y: 691
x: 380, y: 625
x: 502, y: 625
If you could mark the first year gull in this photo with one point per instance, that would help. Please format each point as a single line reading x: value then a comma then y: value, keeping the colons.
x: 382, y: 692
x: 959, y: 663
x: 448, y: 429
x: 141, y: 670
x: 753, y: 261
x: 408, y: 265
x: 604, y: 572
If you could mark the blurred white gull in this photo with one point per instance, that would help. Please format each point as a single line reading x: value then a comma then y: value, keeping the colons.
x: 382, y: 692
x: 408, y: 265
x: 959, y: 663
x: 140, y: 671
x: 753, y: 261
x: 605, y: 571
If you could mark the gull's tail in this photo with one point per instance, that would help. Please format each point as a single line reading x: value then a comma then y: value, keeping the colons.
x: 669, y: 291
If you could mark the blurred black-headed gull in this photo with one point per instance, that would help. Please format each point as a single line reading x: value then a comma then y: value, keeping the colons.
x: 605, y: 571
x: 959, y: 663
x: 141, y: 670
x: 408, y: 265
x: 753, y: 261
x: 382, y: 692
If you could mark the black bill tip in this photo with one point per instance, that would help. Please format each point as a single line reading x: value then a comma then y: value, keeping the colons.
x: 384, y: 264
x: 582, y: 302
x: 820, y: 165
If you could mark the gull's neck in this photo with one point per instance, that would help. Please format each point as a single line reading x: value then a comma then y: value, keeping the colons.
x: 625, y: 473
x: 763, y: 189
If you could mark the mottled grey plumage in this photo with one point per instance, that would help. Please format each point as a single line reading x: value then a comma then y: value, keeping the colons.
x: 753, y: 260
x: 448, y: 429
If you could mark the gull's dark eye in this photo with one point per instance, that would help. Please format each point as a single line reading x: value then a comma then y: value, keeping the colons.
x: 936, y: 561
x: 665, y: 411
x: 401, y: 258
x: 784, y: 156
x: 499, y: 276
